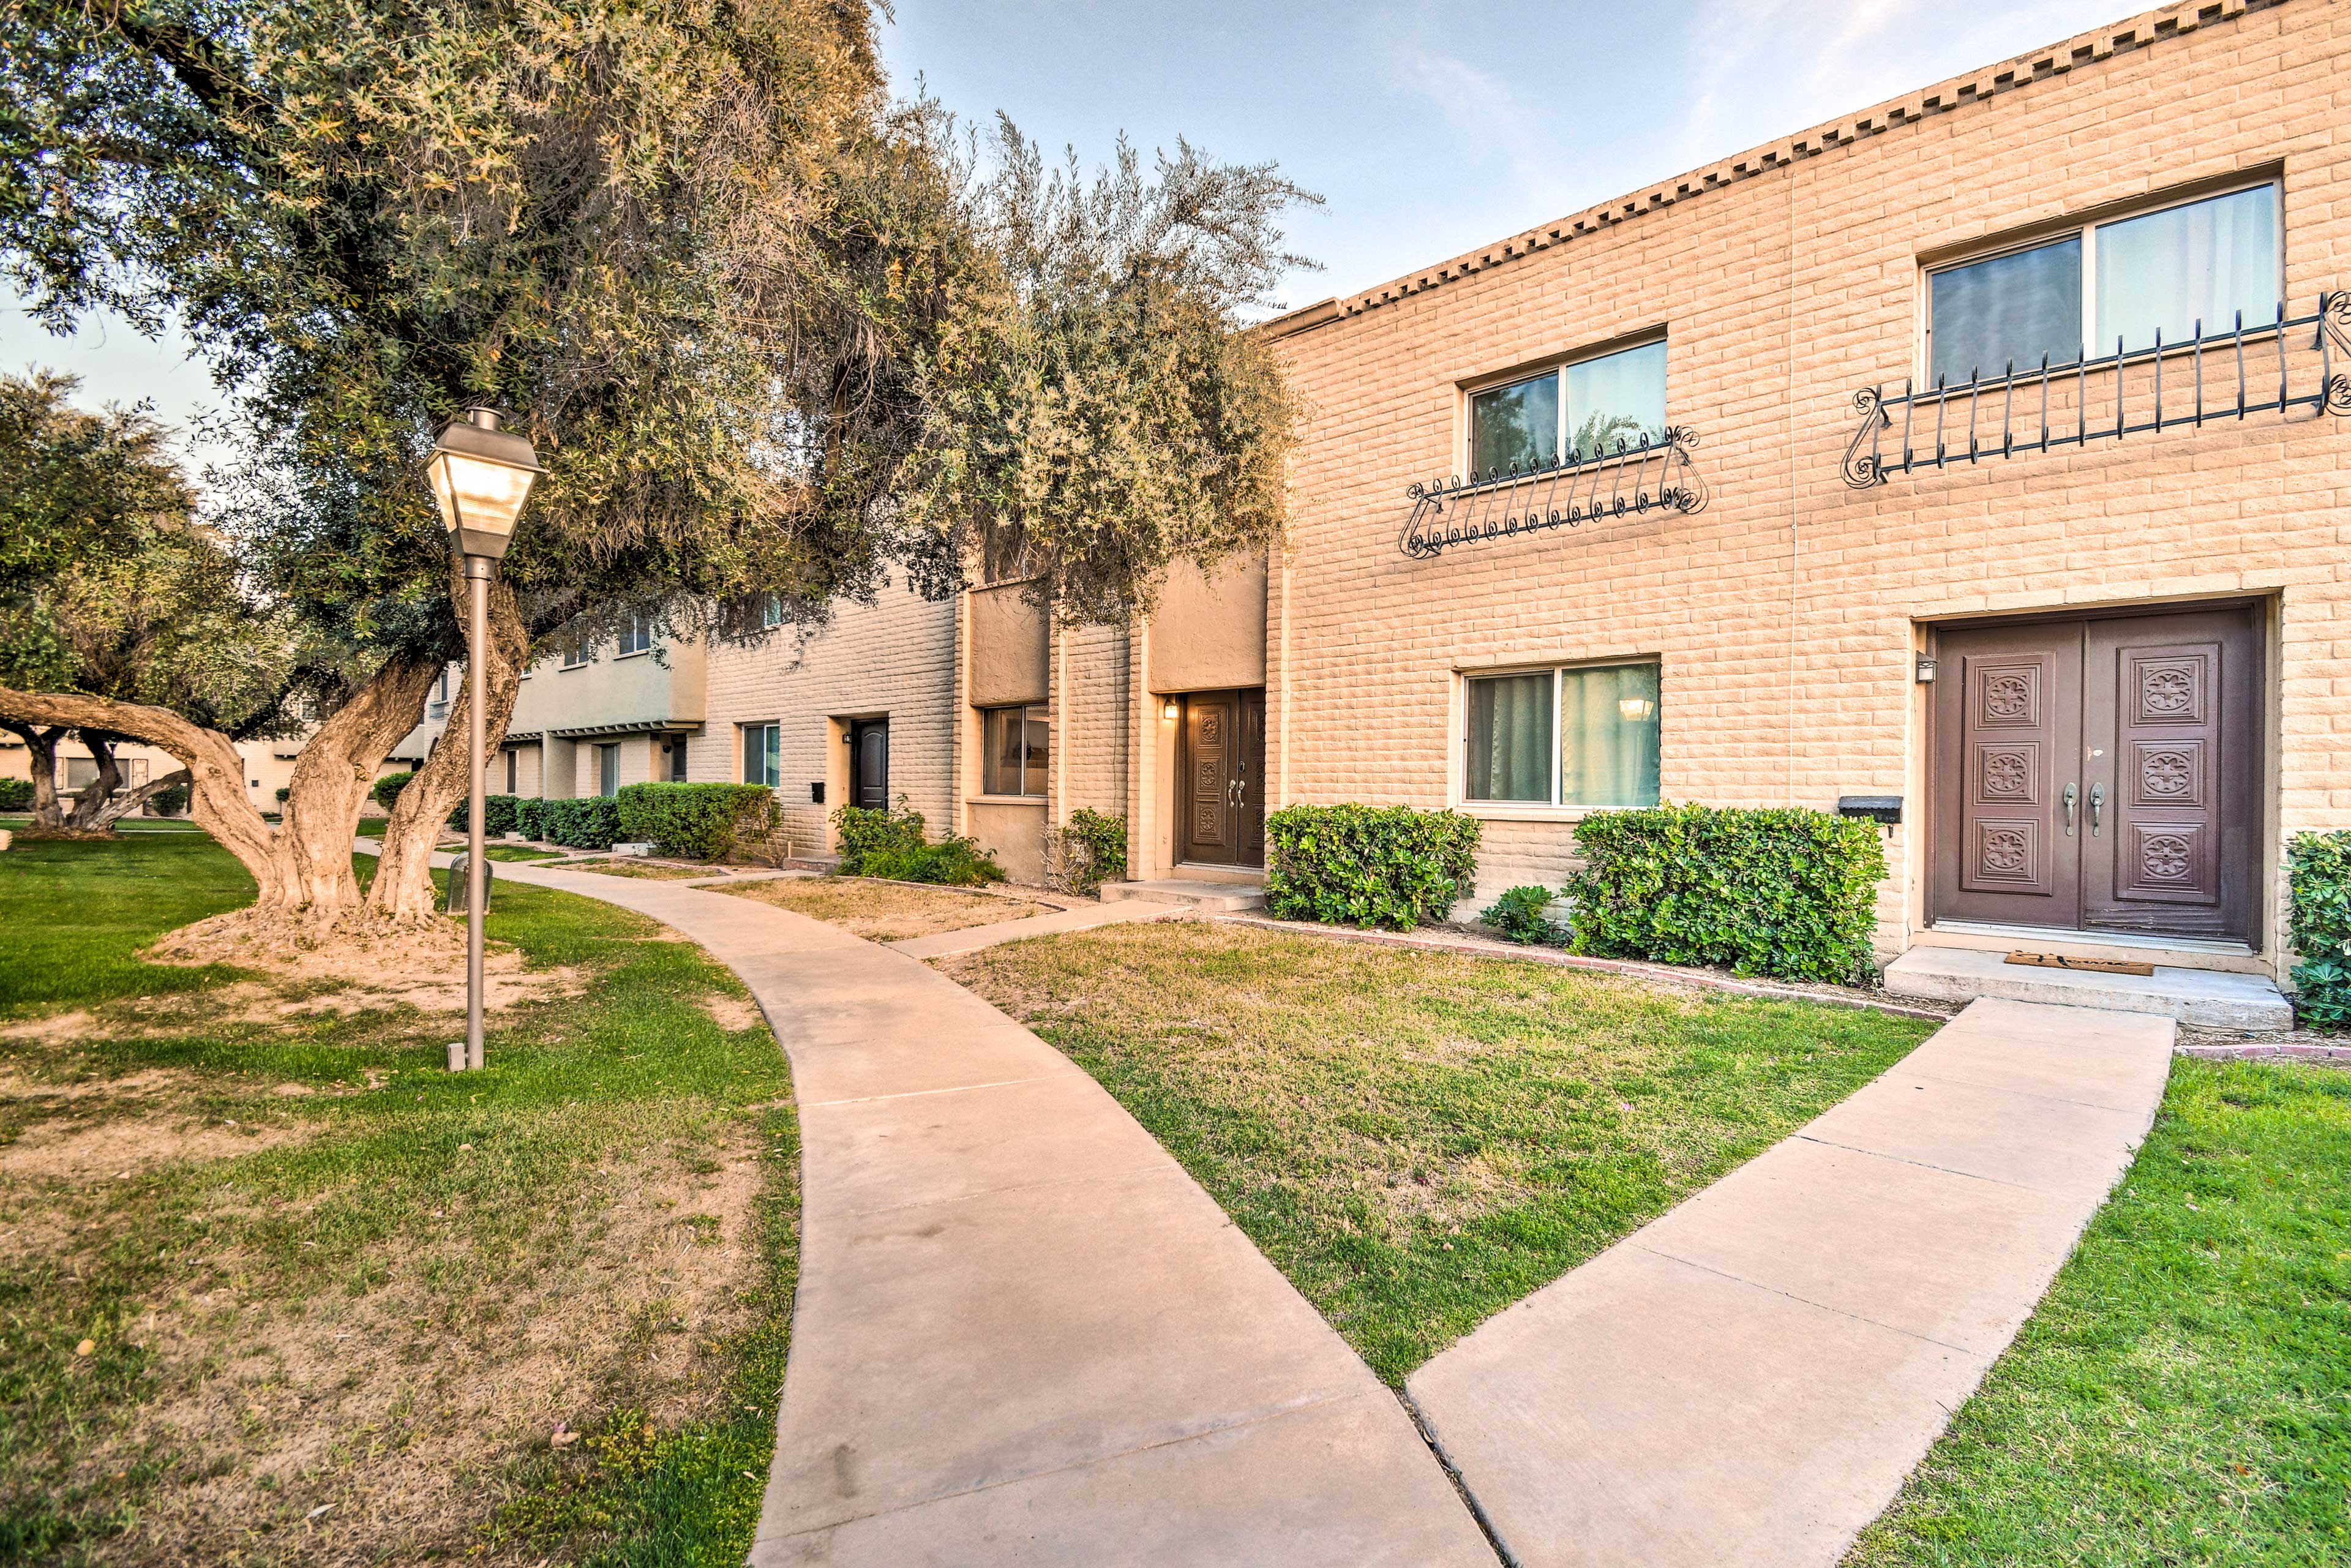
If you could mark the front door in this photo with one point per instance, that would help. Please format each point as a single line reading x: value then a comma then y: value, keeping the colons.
x: 2100, y: 773
x: 868, y: 763
x: 1220, y: 772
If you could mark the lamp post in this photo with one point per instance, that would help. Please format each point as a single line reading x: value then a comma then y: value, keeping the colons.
x: 481, y: 475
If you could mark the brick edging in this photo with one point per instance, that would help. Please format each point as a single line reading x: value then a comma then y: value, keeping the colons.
x: 1663, y: 974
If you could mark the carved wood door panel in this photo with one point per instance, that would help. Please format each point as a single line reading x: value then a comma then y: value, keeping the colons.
x: 1248, y: 792
x: 1208, y: 766
x: 2007, y: 741
x: 2170, y: 715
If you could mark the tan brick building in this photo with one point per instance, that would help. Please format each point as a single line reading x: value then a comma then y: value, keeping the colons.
x: 1786, y: 529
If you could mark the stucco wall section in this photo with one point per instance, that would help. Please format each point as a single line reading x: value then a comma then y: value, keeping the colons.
x: 1008, y: 648
x: 1208, y: 633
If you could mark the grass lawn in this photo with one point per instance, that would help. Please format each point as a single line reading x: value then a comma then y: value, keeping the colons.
x: 1419, y: 1139
x: 513, y: 853
x: 2183, y: 1393
x: 128, y: 825
x: 280, y: 1289
x: 886, y: 911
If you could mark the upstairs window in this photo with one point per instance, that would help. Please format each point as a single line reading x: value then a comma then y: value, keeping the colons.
x: 575, y: 651
x: 1585, y: 408
x: 636, y: 635
x: 2129, y: 278
x: 1016, y: 744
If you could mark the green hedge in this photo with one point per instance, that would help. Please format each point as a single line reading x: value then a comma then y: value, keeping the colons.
x: 388, y: 788
x: 955, y: 862
x: 15, y: 794
x: 497, y: 815
x: 1368, y: 865
x: 696, y: 821
x: 1778, y: 891
x: 526, y: 818
x: 864, y: 831
x: 590, y: 822
x: 2318, y: 869
x: 171, y: 801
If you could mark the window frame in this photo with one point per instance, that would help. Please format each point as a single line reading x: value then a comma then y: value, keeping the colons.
x: 637, y: 631
x: 571, y: 650
x: 1468, y: 392
x: 2085, y: 230
x: 1554, y: 809
x: 743, y: 733
x: 608, y: 754
x: 1043, y: 711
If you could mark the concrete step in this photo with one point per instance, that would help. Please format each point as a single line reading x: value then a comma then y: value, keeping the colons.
x: 1214, y: 897
x: 2206, y: 997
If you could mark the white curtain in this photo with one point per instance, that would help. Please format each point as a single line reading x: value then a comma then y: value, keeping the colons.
x: 2207, y: 261
x: 1608, y: 736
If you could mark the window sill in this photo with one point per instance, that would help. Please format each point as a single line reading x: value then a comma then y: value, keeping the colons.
x: 1037, y: 800
x: 640, y: 653
x: 566, y: 669
x: 1512, y: 811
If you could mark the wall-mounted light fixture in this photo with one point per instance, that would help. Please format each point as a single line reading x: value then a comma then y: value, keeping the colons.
x: 1635, y: 709
x: 1925, y: 670
x: 1169, y: 710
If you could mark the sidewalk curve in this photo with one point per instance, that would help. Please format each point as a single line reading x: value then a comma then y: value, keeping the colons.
x: 1023, y: 1333
x: 1749, y: 1377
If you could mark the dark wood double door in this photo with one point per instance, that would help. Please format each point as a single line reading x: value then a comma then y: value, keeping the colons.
x: 2101, y: 773
x: 1219, y: 779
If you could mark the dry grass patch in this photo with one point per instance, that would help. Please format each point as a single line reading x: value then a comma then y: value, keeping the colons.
x: 1418, y: 1138
x: 647, y: 871
x: 280, y: 1290
x: 887, y: 911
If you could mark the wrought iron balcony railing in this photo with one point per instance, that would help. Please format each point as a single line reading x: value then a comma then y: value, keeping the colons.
x: 1629, y: 477
x: 2247, y: 369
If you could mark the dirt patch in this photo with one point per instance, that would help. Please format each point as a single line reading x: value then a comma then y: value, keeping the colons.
x: 885, y: 911
x: 58, y: 1029
x: 121, y: 1146
x: 731, y: 1013
x: 394, y: 1419
x: 343, y: 969
x: 648, y: 871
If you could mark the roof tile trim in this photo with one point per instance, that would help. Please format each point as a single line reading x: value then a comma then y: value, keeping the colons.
x: 1974, y: 86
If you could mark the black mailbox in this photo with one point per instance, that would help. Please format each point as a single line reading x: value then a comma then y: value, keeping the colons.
x: 815, y: 793
x: 1886, y: 809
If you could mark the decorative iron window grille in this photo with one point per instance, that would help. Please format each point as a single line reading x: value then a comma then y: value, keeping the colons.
x: 2113, y: 396
x: 1630, y: 479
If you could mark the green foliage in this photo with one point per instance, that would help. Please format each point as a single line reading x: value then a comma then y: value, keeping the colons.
x: 283, y: 791
x: 1086, y: 851
x: 864, y: 831
x: 2319, y: 870
x: 1387, y: 866
x: 15, y: 794
x: 697, y: 821
x: 497, y: 815
x: 1517, y: 917
x: 388, y: 788
x: 1776, y: 891
x: 171, y: 801
x: 1099, y: 407
x: 589, y: 822
x: 953, y: 861
x: 527, y: 822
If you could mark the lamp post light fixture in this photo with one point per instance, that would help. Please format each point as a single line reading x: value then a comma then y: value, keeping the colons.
x: 480, y: 475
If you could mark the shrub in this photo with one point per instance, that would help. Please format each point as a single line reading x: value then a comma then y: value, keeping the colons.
x: 1517, y: 917
x: 864, y: 830
x: 699, y: 822
x: 497, y: 815
x: 1086, y: 851
x: 15, y: 794
x: 283, y: 791
x: 2318, y: 869
x: 388, y: 788
x: 1368, y: 865
x: 526, y: 820
x: 955, y: 862
x: 171, y: 801
x: 590, y: 822
x: 1776, y: 891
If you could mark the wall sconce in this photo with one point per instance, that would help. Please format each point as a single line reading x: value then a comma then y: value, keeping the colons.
x: 1635, y: 709
x: 1925, y: 670
x: 1169, y: 710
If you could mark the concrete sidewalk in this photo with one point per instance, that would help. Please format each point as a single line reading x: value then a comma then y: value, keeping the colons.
x: 1750, y: 1378
x: 1022, y: 1333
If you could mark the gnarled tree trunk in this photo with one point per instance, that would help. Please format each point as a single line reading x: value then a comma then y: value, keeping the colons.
x: 336, y: 770
x: 402, y: 888
x: 91, y: 800
x: 42, y: 744
x: 130, y: 801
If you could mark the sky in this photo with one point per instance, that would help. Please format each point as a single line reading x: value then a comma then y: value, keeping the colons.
x: 1427, y: 128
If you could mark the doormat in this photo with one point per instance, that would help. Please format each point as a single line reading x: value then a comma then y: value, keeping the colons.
x: 2096, y: 966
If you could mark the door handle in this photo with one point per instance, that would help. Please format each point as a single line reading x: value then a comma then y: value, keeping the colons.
x: 2097, y: 799
x: 2071, y: 792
